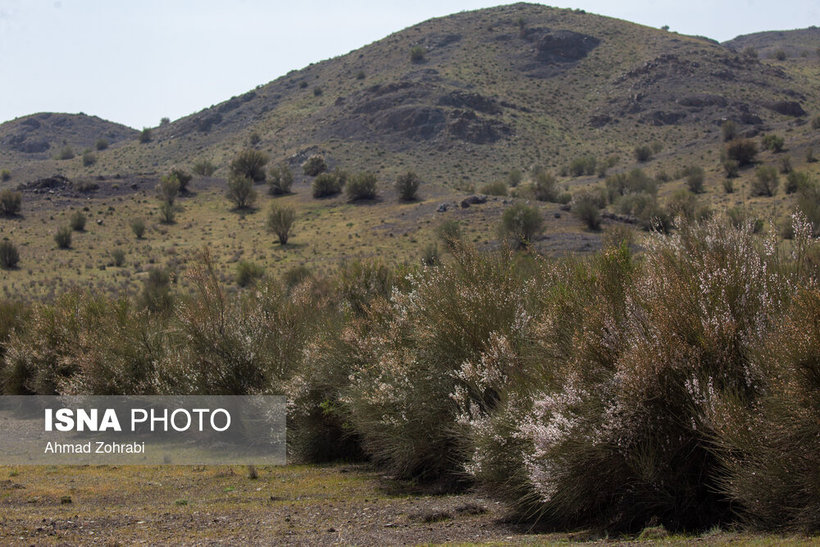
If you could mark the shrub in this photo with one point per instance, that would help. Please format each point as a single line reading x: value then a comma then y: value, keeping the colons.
x: 10, y: 202
x: 497, y: 188
x: 420, y: 354
x: 449, y: 232
x: 694, y: 179
x: 430, y: 255
x: 183, y: 178
x: 167, y: 212
x: 417, y: 54
x: 280, y: 222
x: 586, y: 207
x: 786, y: 165
x: 63, y: 237
x: 204, y: 168
x: 743, y: 151
x: 168, y: 188
x: 796, y: 180
x: 815, y: 122
x: 5, y: 175
x: 773, y: 143
x: 644, y: 206
x: 314, y: 165
x: 326, y: 184
x: 521, y: 223
x: 281, y: 179
x: 240, y: 191
x: 770, y: 450
x: 317, y: 91
x: 77, y: 221
x: 361, y: 187
x: 118, y: 255
x: 808, y: 202
x: 514, y: 178
x: 728, y: 186
x: 728, y: 130
x: 247, y: 273
x: 765, y: 182
x: 145, y: 136
x: 89, y: 158
x: 249, y: 164
x: 634, y: 182
x: 682, y: 203
x: 101, y: 144
x: 741, y: 218
x: 732, y: 168
x: 138, y: 227
x: 583, y: 165
x: 643, y: 153
x: 254, y: 139
x: 9, y: 256
x: 544, y: 185
x: 407, y: 185
x: 156, y: 291
x: 65, y: 153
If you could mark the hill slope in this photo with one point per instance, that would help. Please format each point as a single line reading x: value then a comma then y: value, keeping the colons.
x: 496, y: 89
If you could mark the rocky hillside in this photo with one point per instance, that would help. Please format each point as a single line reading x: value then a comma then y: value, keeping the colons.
x: 802, y: 43
x: 470, y: 96
x: 42, y: 136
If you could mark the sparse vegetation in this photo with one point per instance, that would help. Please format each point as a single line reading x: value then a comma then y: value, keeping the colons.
x: 89, y: 158
x: 65, y: 153
x: 240, y: 191
x: 694, y: 179
x: 280, y: 222
x: 520, y: 223
x: 63, y: 237
x: 10, y: 202
x: 728, y: 130
x: 643, y: 153
x: 167, y: 212
x: 544, y: 185
x: 248, y: 273
x: 773, y: 143
x: 743, y: 151
x: 587, y: 207
x: 138, y: 227
x: 765, y: 182
x: 496, y: 188
x: 204, y: 168
x: 280, y: 179
x: 9, y: 256
x: 314, y: 165
x: 249, y: 164
x: 361, y: 186
x: 77, y: 221
x: 407, y: 186
x: 327, y: 184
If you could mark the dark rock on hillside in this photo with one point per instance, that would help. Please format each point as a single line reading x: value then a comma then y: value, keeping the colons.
x: 787, y: 108
x: 564, y: 46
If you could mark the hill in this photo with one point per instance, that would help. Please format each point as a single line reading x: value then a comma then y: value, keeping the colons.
x: 463, y: 100
x: 492, y: 90
x: 43, y: 136
x: 800, y: 43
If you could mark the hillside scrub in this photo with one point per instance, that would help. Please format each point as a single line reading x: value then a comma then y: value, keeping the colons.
x: 609, y: 392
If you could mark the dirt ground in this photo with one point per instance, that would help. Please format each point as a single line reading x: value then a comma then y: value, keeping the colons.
x: 290, y: 505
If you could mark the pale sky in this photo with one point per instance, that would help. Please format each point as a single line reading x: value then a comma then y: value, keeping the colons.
x: 136, y: 61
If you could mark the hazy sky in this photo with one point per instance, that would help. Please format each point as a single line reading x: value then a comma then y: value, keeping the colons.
x: 135, y: 61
